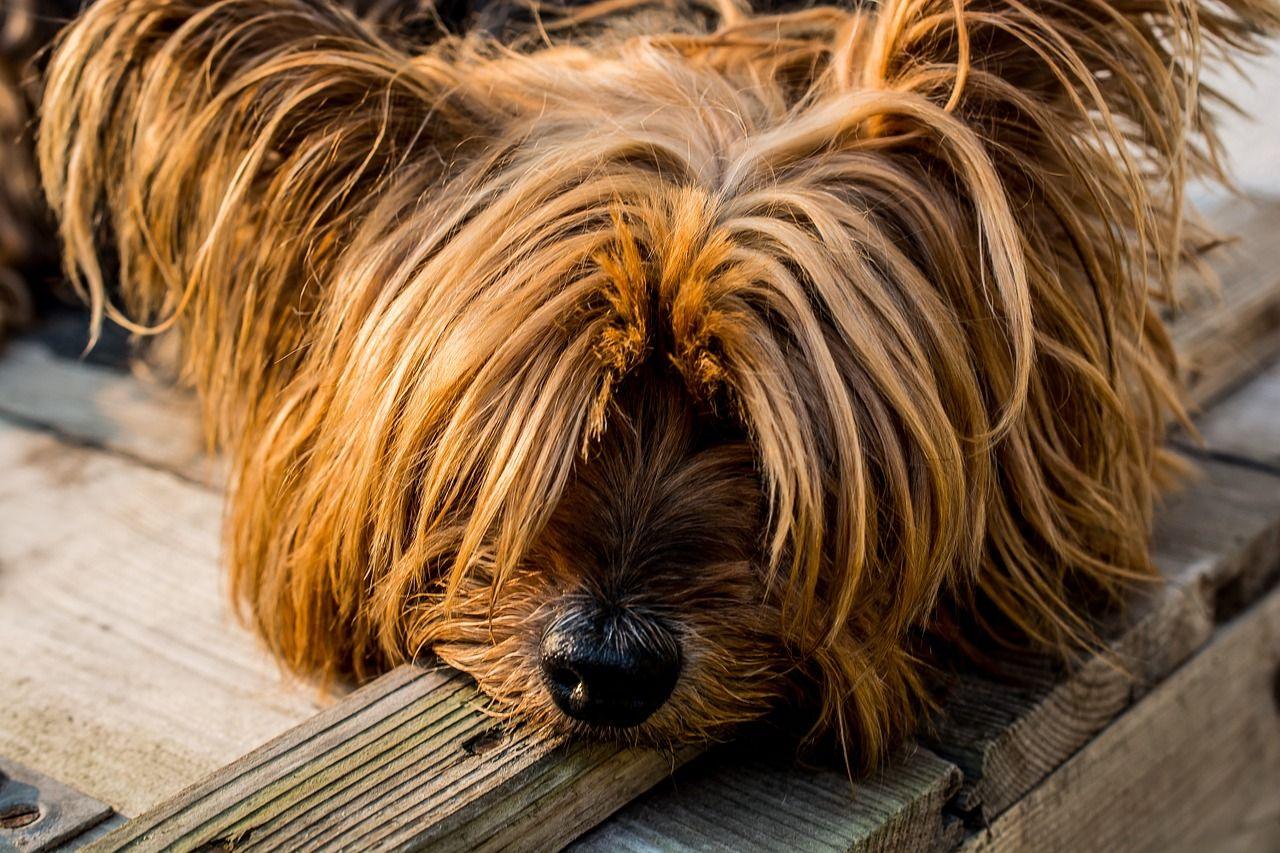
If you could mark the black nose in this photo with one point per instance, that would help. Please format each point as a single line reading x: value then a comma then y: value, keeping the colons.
x: 609, y: 670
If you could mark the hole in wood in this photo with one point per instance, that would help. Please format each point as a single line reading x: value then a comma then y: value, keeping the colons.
x: 483, y: 743
x: 18, y: 815
x: 1275, y: 688
x: 1230, y: 600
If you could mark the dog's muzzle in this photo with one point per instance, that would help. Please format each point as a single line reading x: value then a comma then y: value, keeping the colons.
x: 609, y: 668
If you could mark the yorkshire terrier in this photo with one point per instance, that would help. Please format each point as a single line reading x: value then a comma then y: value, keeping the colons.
x: 659, y: 364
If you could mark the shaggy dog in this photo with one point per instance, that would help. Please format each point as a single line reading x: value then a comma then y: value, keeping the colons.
x: 659, y: 364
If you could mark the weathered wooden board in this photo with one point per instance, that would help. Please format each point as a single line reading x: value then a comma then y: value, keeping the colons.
x: 1246, y: 427
x: 38, y: 813
x: 733, y: 800
x: 410, y: 760
x: 1223, y: 338
x: 1194, y: 766
x: 1220, y: 537
x: 148, y: 422
x: 1219, y: 544
x: 122, y: 672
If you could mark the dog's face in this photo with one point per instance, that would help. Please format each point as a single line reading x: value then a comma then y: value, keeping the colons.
x: 640, y: 422
x: 648, y: 378
x: 641, y: 610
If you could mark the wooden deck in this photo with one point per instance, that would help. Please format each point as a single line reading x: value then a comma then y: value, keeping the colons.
x: 136, y: 713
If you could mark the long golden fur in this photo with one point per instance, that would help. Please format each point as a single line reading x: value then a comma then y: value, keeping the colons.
x: 808, y: 334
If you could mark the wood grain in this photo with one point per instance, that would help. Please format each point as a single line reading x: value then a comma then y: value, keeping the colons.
x: 1246, y: 427
x: 733, y: 800
x: 1194, y: 766
x: 1220, y: 538
x: 409, y: 761
x: 91, y: 404
x: 1224, y: 338
x: 123, y: 673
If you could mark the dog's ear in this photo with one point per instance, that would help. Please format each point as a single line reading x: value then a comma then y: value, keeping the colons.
x: 226, y: 151
x: 1033, y: 158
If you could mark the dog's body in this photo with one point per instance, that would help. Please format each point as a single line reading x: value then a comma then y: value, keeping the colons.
x: 674, y: 362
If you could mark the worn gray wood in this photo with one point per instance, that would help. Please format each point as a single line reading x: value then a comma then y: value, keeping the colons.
x: 409, y: 761
x: 123, y: 673
x: 733, y: 800
x: 38, y: 813
x: 1219, y: 545
x: 1219, y: 539
x: 1246, y: 427
x: 1222, y: 338
x: 92, y: 836
x: 1194, y: 766
x: 1218, y: 542
x: 147, y: 421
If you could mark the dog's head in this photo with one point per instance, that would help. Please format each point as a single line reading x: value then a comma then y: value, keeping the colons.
x: 645, y: 379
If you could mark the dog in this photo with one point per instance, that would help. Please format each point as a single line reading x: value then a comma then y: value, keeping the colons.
x: 660, y: 364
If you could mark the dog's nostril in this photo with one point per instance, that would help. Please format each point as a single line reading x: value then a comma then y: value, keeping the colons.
x: 608, y: 677
x: 564, y: 678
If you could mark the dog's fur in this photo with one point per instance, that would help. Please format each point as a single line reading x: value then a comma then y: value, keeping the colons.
x: 812, y: 334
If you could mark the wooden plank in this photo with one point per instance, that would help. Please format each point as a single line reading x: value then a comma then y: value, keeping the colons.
x: 733, y: 800
x: 1220, y: 538
x: 409, y: 761
x: 122, y: 673
x: 1223, y: 339
x: 1246, y: 427
x: 1193, y: 766
x: 91, y: 837
x: 96, y: 405
x: 1218, y: 543
x: 38, y: 813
